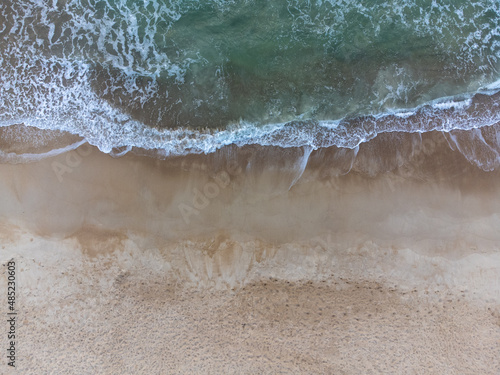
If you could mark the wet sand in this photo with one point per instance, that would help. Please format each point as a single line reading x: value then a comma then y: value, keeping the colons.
x: 256, y: 260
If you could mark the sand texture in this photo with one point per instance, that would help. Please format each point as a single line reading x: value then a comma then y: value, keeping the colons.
x: 255, y: 261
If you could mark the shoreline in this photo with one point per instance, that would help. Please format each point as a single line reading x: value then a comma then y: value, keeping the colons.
x: 468, y: 121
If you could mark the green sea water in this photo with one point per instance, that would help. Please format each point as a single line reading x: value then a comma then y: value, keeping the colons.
x: 274, y: 61
x: 189, y: 64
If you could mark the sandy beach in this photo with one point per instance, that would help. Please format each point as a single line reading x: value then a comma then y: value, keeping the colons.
x: 384, y: 260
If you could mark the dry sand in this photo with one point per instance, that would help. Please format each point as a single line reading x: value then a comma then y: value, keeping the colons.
x: 262, y: 265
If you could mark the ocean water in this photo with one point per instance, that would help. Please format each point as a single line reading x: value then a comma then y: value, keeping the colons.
x: 187, y: 76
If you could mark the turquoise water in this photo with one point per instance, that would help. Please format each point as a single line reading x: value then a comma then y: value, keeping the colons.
x: 122, y: 73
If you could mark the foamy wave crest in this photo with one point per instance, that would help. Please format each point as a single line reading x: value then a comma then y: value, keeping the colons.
x: 107, y: 128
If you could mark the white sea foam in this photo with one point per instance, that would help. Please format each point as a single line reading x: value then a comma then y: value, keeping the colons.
x: 452, y: 104
x: 404, y: 114
x: 492, y: 86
